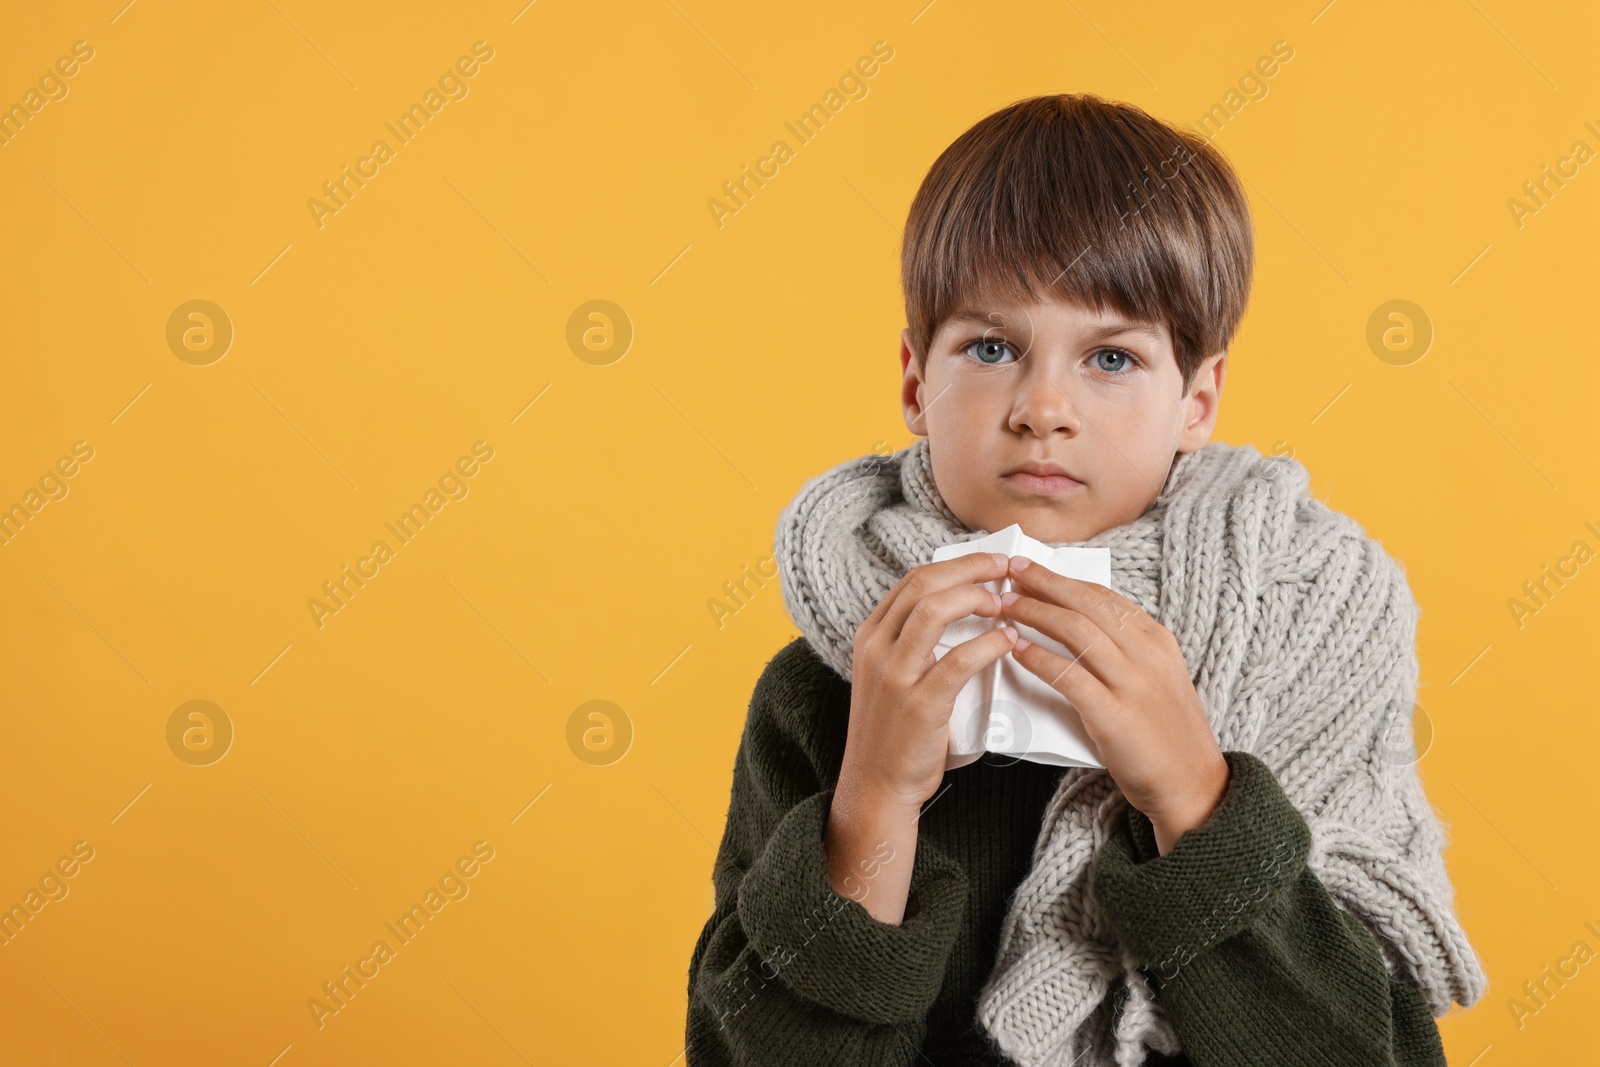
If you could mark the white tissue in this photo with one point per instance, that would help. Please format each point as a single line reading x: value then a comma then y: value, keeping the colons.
x: 1005, y: 708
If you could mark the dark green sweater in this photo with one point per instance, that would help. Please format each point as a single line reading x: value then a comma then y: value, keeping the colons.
x: 1251, y: 959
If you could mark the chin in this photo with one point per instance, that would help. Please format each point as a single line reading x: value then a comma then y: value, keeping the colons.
x: 1053, y: 522
x: 1050, y: 528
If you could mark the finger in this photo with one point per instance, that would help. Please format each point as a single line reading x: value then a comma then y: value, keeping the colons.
x: 886, y: 603
x: 1085, y: 640
x: 928, y: 620
x: 1066, y: 676
x: 945, y: 677
x: 929, y: 578
x: 877, y: 637
x: 1114, y: 613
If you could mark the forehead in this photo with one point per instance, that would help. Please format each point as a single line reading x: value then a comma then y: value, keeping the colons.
x: 1053, y: 314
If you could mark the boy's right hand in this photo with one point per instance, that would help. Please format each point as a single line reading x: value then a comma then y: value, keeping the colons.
x: 901, y: 698
x: 902, y: 694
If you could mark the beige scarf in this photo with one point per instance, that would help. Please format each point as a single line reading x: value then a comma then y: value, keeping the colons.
x: 1299, y: 632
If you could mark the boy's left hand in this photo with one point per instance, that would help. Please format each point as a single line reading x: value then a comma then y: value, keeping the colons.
x: 1132, y: 690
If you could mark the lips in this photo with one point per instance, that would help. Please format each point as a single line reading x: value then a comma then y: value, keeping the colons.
x: 1044, y: 478
x: 1042, y: 470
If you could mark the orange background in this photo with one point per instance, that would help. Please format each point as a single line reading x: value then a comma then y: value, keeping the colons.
x: 432, y: 311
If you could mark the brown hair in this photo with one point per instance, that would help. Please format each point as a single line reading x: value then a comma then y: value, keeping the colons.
x: 1088, y: 200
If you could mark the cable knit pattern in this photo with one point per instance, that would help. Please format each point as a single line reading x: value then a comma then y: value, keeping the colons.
x: 1300, y: 635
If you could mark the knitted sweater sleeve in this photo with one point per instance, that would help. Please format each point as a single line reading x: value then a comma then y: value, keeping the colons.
x: 1248, y: 954
x: 786, y: 970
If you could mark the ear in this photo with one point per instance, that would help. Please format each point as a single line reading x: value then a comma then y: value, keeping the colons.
x: 911, y: 387
x: 1201, y: 403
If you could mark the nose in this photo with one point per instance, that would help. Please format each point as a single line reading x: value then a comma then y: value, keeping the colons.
x: 1042, y: 405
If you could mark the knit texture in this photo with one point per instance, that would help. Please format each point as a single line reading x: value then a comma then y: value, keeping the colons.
x: 788, y: 971
x: 1247, y: 952
x: 1254, y: 963
x: 1299, y: 632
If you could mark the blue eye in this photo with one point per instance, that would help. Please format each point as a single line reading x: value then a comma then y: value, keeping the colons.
x: 1119, y: 354
x: 989, y: 347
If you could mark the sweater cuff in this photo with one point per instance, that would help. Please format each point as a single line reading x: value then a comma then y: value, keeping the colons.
x: 1217, y: 879
x: 827, y: 947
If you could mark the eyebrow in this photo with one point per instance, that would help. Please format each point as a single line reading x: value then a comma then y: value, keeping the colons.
x: 1098, y: 333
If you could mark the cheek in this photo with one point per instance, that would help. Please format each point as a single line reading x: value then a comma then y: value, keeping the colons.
x: 1135, y: 434
x: 966, y: 416
x: 953, y: 469
x: 961, y: 414
x: 959, y: 473
x: 1141, y: 420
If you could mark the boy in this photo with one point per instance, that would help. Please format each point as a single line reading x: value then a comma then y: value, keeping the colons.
x: 1074, y: 271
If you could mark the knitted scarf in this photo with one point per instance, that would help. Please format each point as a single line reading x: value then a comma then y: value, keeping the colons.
x: 1299, y: 633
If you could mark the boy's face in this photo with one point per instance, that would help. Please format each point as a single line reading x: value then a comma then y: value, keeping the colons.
x: 1055, y: 384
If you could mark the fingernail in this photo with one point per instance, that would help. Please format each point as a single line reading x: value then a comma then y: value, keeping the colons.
x: 1009, y: 599
x: 1020, y: 643
x: 1020, y: 563
x: 1000, y: 558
